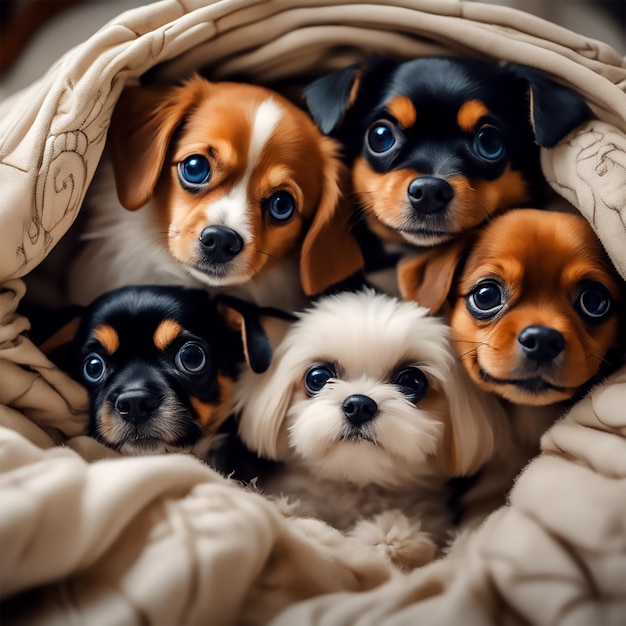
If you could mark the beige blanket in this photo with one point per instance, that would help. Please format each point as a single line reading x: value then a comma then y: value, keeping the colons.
x: 86, y: 537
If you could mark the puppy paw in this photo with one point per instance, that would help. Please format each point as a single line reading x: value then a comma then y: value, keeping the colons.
x: 399, y: 539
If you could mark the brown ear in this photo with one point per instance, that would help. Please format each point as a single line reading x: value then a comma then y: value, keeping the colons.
x: 427, y: 279
x: 142, y: 126
x: 330, y: 252
x: 261, y: 329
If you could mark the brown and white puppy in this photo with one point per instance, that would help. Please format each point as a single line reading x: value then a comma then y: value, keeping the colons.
x: 368, y: 416
x: 533, y: 300
x: 223, y: 185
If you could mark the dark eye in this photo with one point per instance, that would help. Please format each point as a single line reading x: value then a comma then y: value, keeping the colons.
x: 281, y: 206
x: 486, y: 299
x: 194, y: 171
x: 413, y: 383
x: 93, y: 368
x: 594, y: 301
x: 191, y: 358
x: 316, y: 378
x: 488, y: 143
x: 380, y: 137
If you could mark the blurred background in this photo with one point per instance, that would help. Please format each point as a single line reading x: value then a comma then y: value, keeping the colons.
x: 35, y: 33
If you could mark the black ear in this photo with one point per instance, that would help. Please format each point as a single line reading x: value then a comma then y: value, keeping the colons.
x: 260, y: 327
x: 53, y: 330
x: 555, y: 110
x: 330, y: 97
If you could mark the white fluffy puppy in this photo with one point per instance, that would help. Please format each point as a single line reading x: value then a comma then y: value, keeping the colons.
x: 370, y: 414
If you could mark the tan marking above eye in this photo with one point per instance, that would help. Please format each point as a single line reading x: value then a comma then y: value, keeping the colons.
x: 165, y: 333
x: 470, y: 113
x: 108, y: 337
x: 403, y: 110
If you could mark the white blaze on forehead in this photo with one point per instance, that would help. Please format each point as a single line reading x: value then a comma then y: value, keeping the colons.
x: 232, y: 209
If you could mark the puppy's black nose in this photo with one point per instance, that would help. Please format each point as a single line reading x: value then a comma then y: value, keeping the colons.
x: 428, y: 194
x: 220, y: 244
x: 541, y: 343
x: 359, y: 409
x: 136, y: 405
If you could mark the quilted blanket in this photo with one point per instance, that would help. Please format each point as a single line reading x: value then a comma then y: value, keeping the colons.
x: 88, y: 537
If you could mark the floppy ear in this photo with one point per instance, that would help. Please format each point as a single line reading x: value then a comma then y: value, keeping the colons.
x: 261, y: 328
x: 330, y: 97
x: 330, y: 252
x: 478, y: 423
x: 54, y: 331
x: 555, y: 110
x: 142, y: 126
x: 262, y: 402
x: 427, y: 278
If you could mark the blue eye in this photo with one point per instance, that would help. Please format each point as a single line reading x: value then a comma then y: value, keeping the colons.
x: 281, y: 206
x: 381, y: 138
x: 194, y: 171
x: 413, y: 383
x: 316, y: 378
x: 488, y: 143
x: 594, y: 301
x: 486, y: 299
x: 191, y: 358
x: 94, y: 368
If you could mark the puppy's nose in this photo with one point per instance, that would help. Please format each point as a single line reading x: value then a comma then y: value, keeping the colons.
x: 220, y: 244
x: 136, y: 405
x: 359, y: 409
x: 541, y: 343
x: 428, y: 194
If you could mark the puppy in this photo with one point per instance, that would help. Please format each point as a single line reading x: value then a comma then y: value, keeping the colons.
x: 534, y: 303
x: 368, y: 415
x: 437, y: 146
x: 159, y: 363
x: 227, y: 186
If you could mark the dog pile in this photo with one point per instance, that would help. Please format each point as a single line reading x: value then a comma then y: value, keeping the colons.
x: 350, y: 307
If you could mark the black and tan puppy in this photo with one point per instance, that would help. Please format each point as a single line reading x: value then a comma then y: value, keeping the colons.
x: 438, y: 145
x: 159, y: 364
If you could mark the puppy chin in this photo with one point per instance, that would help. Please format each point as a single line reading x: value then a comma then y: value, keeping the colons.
x: 219, y: 276
x: 172, y: 429
x: 391, y: 450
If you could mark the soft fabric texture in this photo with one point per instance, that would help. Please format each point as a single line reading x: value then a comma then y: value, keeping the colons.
x: 87, y: 537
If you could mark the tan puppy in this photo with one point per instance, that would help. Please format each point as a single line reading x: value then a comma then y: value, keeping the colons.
x: 224, y: 185
x: 533, y: 302
x: 536, y: 311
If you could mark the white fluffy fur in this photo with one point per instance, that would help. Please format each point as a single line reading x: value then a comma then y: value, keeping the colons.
x: 389, y: 491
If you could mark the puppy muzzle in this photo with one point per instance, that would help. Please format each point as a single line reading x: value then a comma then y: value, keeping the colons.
x: 220, y: 244
x: 429, y: 195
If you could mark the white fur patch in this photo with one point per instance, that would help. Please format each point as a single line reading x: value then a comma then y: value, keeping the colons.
x: 233, y: 209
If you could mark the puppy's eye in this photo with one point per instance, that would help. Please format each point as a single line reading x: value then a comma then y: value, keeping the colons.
x: 280, y: 206
x: 486, y: 299
x: 381, y: 138
x: 413, y: 383
x: 94, y: 368
x: 488, y: 143
x: 191, y: 358
x: 194, y: 172
x: 594, y: 301
x: 316, y: 378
